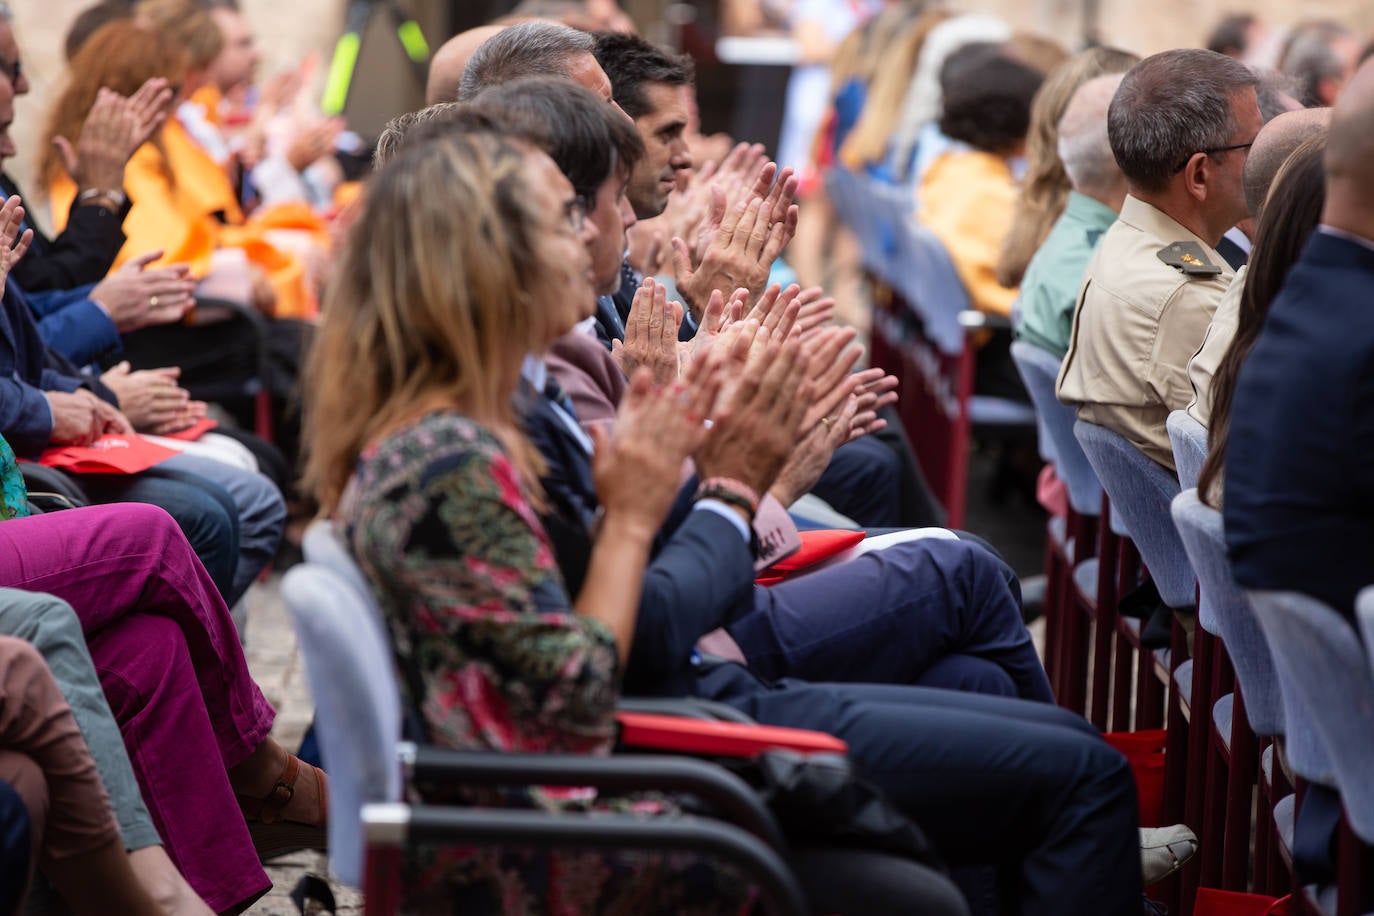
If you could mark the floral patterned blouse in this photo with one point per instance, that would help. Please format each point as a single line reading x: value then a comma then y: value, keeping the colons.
x: 472, y: 596
x: 492, y: 658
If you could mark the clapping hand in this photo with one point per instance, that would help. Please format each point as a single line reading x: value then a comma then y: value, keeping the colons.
x: 638, y: 467
x: 756, y: 428
x: 740, y: 242
x: 114, y: 128
x: 136, y: 296
x: 651, y: 335
x: 11, y: 224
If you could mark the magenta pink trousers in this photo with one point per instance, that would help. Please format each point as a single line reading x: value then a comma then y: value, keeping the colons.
x: 172, y: 669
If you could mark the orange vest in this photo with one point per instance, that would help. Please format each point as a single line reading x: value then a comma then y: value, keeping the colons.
x: 177, y: 196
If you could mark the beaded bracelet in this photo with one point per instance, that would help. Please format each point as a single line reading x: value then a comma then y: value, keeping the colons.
x: 730, y: 491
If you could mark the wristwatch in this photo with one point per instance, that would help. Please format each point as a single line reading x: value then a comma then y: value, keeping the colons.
x: 115, y: 196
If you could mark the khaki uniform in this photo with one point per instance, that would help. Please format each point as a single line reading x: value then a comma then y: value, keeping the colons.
x: 1137, y: 323
x: 1202, y: 368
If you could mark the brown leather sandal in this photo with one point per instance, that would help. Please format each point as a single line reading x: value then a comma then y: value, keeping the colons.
x: 272, y: 834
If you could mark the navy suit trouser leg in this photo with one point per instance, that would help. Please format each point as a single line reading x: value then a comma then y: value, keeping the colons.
x: 891, y: 616
x: 863, y: 481
x: 1027, y: 787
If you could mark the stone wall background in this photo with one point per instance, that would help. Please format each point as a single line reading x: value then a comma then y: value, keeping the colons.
x: 287, y: 31
x: 1147, y: 26
x: 290, y: 29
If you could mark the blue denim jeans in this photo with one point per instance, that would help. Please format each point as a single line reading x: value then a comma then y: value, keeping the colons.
x: 258, y: 506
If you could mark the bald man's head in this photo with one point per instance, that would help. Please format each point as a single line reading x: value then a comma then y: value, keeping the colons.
x: 1083, y: 144
x: 1273, y: 145
x: 1350, y: 145
x: 447, y: 65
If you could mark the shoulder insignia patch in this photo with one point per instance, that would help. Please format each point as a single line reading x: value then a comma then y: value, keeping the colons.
x: 1189, y: 258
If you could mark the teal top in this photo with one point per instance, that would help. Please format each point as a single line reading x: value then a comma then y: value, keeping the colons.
x: 14, y: 498
x: 1049, y: 290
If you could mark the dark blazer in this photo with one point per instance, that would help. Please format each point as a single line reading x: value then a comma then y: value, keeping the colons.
x: 593, y: 381
x: 25, y: 418
x: 1299, y: 487
x: 609, y: 325
x: 1235, y: 255
x: 82, y: 253
x: 72, y: 324
x: 700, y: 578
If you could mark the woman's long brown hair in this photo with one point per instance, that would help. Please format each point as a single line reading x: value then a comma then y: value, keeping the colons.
x: 1045, y: 190
x: 428, y: 306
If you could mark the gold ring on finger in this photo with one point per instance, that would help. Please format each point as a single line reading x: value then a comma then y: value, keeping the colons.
x: 152, y: 301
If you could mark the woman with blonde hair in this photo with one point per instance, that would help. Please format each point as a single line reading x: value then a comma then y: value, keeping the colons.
x: 1045, y: 188
x: 868, y: 143
x: 469, y: 254
x: 825, y: 252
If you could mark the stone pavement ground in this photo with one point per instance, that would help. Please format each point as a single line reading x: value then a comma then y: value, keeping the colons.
x: 276, y: 666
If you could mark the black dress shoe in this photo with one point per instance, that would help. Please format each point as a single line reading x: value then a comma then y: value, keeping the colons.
x: 1158, y: 630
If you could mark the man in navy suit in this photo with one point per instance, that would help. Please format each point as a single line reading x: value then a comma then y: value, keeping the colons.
x: 1299, y: 490
x: 993, y: 779
x: 1021, y: 785
x: 1025, y: 786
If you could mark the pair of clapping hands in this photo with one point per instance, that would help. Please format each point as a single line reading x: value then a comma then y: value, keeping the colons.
x: 152, y: 401
x: 727, y: 224
x: 135, y: 296
x: 776, y: 383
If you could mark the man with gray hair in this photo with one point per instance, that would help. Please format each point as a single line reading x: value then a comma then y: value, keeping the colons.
x: 1049, y: 290
x: 1180, y: 126
x: 534, y: 48
x: 447, y: 64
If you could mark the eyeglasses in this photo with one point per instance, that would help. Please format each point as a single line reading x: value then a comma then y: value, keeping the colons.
x: 13, y: 70
x: 1212, y: 152
x: 575, y: 211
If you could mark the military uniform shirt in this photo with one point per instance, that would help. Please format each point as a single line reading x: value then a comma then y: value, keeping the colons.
x: 1137, y: 323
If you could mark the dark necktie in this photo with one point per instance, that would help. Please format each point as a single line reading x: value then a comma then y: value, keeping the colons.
x: 554, y: 392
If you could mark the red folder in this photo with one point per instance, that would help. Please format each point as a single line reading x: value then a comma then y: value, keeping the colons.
x: 107, y: 455
x: 816, y: 546
x: 195, y: 430
x: 649, y: 731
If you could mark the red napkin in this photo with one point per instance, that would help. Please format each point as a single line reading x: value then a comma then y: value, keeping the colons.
x: 107, y: 455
